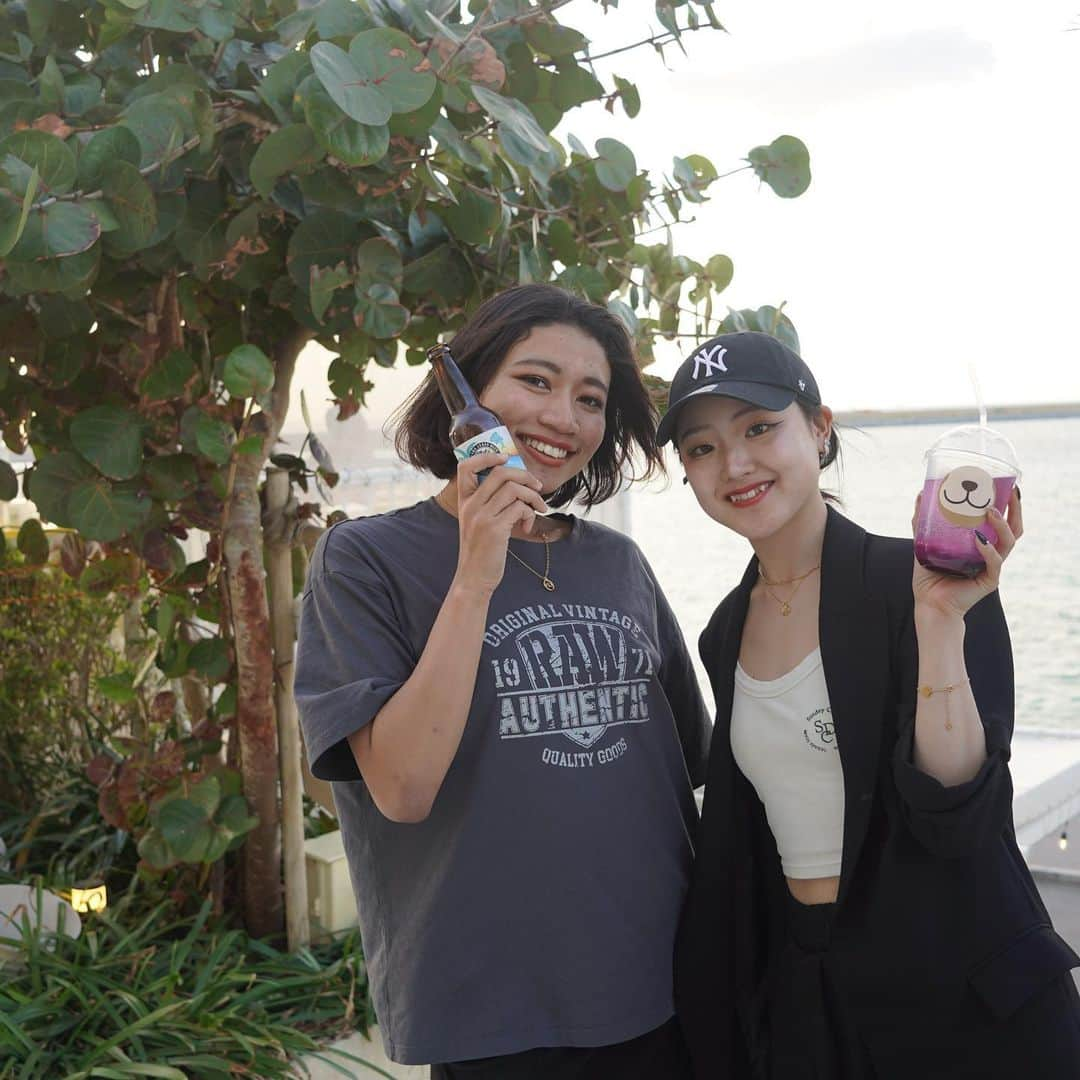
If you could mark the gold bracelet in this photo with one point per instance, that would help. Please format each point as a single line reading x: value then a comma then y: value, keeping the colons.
x: 930, y: 691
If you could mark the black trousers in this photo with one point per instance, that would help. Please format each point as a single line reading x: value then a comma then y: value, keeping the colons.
x: 657, y: 1055
x: 811, y: 1034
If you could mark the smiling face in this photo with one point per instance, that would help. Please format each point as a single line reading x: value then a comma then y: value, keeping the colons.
x: 551, y: 391
x: 964, y: 496
x: 752, y: 470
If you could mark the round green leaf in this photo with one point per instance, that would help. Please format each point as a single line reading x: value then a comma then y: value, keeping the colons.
x: 169, y: 377
x: 573, y: 86
x: 57, y: 230
x: 184, y: 826
x: 131, y: 200
x: 415, y: 124
x: 103, y: 575
x: 171, y: 477
x: 18, y: 116
x: 554, y: 40
x: 64, y: 360
x: 171, y: 208
x: 350, y: 87
x: 210, y: 658
x: 720, y: 270
x: 207, y: 794
x: 168, y: 15
x: 60, y: 317
x: 71, y: 275
x: 324, y: 238
x: 104, y: 511
x: 443, y: 273
x: 513, y: 114
x: 162, y: 552
x: 393, y: 63
x: 32, y: 542
x: 324, y: 283
x: 9, y: 482
x: 51, y: 157
x: 51, y: 481
x: 248, y: 372
x: 158, y: 124
x: 377, y: 260
x: 615, y: 164
x: 226, y: 704
x: 626, y: 313
x: 292, y: 148
x: 216, y: 846
x: 117, y: 688
x: 474, y: 219
x: 784, y: 165
x: 200, y: 236
x: 82, y: 90
x: 379, y: 314
x: 214, y: 438
x: 110, y: 438
x: 12, y: 216
x: 233, y: 816
x: 631, y: 99
x: 347, y: 139
x: 154, y: 851
x: 282, y: 78
x: 587, y: 280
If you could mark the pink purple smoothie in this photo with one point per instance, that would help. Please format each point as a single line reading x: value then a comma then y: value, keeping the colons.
x: 953, y: 549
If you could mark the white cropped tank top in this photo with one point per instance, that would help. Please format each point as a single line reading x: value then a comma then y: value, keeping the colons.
x: 783, y: 740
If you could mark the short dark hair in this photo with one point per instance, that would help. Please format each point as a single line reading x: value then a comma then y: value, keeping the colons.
x: 480, y: 346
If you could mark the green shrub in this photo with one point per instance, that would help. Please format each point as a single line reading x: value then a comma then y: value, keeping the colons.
x: 185, y: 997
x: 54, y: 646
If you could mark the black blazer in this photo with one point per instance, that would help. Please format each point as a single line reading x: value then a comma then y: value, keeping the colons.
x: 940, y: 934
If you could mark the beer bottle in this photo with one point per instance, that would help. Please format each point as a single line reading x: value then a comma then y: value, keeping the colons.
x: 474, y: 429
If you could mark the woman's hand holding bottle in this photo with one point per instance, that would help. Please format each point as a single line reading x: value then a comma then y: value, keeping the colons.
x: 488, y: 512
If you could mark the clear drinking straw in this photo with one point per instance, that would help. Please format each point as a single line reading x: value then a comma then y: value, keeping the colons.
x: 973, y: 375
x: 977, y: 389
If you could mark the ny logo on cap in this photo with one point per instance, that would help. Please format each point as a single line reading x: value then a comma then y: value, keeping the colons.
x: 711, y: 359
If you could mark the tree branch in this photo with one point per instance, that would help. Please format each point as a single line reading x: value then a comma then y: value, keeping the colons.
x: 527, y: 16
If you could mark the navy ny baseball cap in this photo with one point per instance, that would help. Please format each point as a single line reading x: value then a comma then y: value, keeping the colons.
x: 750, y: 366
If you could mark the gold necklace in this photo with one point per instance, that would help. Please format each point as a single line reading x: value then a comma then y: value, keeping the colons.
x: 545, y: 577
x: 785, y: 605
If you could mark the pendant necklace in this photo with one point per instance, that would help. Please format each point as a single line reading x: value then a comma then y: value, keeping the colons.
x: 785, y: 605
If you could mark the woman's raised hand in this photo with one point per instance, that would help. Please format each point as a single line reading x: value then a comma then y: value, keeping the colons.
x: 948, y: 595
x: 488, y: 510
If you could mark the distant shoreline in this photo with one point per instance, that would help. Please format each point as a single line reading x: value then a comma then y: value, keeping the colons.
x: 955, y: 415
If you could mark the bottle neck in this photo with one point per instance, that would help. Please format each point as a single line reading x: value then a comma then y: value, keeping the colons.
x: 454, y: 387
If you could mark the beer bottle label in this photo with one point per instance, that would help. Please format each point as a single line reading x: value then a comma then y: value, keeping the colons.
x: 496, y: 441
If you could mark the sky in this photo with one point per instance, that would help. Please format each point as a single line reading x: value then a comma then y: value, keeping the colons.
x: 940, y: 232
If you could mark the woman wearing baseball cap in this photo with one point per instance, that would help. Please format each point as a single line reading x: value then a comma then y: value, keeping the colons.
x: 859, y: 906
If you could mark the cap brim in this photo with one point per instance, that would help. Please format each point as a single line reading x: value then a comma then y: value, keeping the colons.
x: 773, y: 398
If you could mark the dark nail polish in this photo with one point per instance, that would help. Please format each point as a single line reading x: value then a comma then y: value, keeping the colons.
x: 1018, y: 495
x: 982, y: 539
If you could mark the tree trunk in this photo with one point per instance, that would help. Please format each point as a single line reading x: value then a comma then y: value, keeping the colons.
x: 256, y: 723
x: 279, y: 569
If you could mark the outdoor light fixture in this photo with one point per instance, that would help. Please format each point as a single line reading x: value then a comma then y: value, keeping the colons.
x: 94, y: 898
x: 1063, y: 840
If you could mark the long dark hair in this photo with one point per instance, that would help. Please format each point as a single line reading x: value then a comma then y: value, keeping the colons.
x: 422, y: 437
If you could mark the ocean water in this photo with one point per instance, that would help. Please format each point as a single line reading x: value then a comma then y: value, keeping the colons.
x: 698, y: 562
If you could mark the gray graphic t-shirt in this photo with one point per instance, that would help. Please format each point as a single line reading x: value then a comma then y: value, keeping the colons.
x: 537, y: 904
